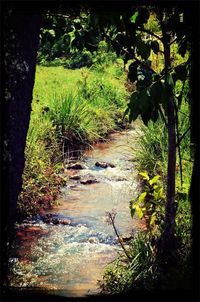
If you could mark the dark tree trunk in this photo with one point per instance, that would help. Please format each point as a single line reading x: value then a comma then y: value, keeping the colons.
x: 21, y: 37
x: 170, y: 209
x: 168, y: 244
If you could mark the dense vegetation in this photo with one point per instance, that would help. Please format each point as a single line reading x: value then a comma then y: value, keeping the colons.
x: 161, y: 258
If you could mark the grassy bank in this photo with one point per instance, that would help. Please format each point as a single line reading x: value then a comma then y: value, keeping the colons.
x: 71, y: 109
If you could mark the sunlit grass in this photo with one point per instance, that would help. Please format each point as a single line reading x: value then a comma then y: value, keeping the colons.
x: 69, y: 108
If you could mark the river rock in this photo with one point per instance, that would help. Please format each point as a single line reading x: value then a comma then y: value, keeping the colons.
x: 75, y: 177
x: 65, y: 221
x: 54, y: 220
x: 127, y: 237
x: 76, y: 166
x: 93, y: 240
x: 104, y: 164
x: 88, y: 181
x: 120, y: 178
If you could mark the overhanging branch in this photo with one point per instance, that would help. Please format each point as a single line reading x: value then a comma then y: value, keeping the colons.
x: 149, y: 32
x: 184, y: 134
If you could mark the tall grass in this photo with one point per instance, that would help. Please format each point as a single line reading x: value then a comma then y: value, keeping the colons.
x: 70, y: 108
x: 73, y: 118
x: 152, y: 154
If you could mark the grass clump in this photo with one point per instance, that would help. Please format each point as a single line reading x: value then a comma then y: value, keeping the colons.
x: 74, y: 121
x: 123, y: 275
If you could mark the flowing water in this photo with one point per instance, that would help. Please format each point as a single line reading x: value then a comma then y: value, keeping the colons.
x: 70, y: 258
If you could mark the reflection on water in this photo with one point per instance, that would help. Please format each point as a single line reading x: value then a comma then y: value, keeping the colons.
x: 71, y: 258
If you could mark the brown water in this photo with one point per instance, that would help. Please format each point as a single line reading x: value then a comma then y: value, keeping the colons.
x: 69, y: 259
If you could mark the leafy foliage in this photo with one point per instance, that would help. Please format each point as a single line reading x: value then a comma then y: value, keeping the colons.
x: 150, y: 203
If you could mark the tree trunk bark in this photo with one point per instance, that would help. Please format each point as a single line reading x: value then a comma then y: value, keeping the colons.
x: 21, y: 37
x: 168, y: 246
x: 170, y: 211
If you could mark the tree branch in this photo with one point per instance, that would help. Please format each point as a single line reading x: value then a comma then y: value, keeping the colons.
x: 181, y: 95
x: 184, y: 134
x: 173, y: 41
x: 149, y: 32
x: 162, y: 115
x: 112, y: 218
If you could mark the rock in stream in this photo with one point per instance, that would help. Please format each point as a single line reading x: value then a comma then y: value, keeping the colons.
x: 104, y: 164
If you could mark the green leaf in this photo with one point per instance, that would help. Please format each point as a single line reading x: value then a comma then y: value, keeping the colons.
x: 153, y: 219
x: 170, y: 80
x: 142, y: 197
x: 146, y: 116
x: 139, y: 212
x: 156, y: 91
x: 134, y: 17
x: 126, y: 112
x: 144, y: 175
x: 143, y: 49
x: 169, y: 83
x: 144, y: 100
x: 134, y: 106
x: 158, y: 195
x: 52, y: 32
x: 155, y: 195
x: 146, y: 106
x: 165, y: 94
x: 154, y: 180
x: 132, y: 212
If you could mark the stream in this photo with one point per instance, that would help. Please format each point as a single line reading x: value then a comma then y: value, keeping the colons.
x: 68, y: 258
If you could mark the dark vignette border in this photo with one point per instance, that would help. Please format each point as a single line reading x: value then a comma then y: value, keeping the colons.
x: 110, y: 5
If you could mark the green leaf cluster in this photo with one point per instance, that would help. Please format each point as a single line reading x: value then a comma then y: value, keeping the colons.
x: 150, y: 202
x: 146, y: 102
